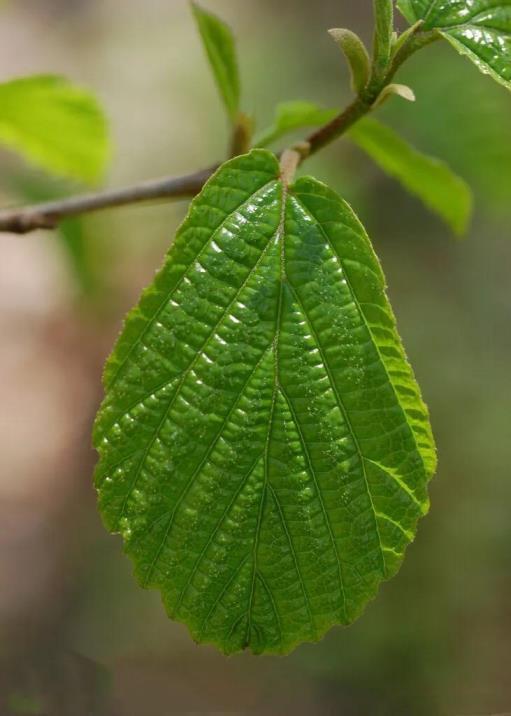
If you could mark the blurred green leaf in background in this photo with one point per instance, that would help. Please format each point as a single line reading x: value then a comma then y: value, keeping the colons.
x: 430, y: 179
x: 220, y: 48
x: 290, y: 116
x: 56, y: 125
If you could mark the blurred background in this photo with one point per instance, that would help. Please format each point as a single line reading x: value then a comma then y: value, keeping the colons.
x: 77, y: 636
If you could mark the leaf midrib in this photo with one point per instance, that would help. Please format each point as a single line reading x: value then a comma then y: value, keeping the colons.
x: 279, y: 238
x: 199, y: 352
x: 167, y: 296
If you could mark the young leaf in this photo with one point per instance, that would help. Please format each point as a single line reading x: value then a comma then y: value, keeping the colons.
x: 264, y: 448
x: 220, y: 48
x: 56, y: 125
x: 480, y: 29
x: 429, y: 179
x: 290, y: 116
x: 396, y: 90
x: 356, y: 55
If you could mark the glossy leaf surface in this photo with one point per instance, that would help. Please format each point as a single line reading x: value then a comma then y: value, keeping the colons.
x: 430, y: 179
x: 264, y: 448
x: 56, y: 125
x: 479, y: 29
x: 220, y: 48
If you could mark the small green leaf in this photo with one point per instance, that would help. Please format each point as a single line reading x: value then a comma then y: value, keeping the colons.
x: 290, y: 116
x: 356, y: 55
x: 264, y: 448
x: 220, y: 48
x: 480, y: 29
x: 429, y: 179
x: 396, y: 90
x: 56, y: 125
x: 399, y: 40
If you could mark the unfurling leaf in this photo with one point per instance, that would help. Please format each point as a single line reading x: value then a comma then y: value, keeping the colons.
x: 264, y: 448
x: 357, y: 56
x: 397, y: 90
x: 56, y: 125
x: 479, y: 29
x: 430, y: 179
x: 220, y: 48
x: 290, y: 116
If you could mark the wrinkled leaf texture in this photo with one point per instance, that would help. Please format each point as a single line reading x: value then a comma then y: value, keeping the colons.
x: 264, y: 449
x: 478, y: 29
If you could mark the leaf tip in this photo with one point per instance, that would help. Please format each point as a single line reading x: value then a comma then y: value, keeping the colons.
x: 399, y: 90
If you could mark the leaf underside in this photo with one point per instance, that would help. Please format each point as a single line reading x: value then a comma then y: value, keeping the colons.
x: 264, y: 449
x: 479, y: 29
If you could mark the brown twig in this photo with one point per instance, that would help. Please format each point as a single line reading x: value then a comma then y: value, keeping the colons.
x: 48, y: 215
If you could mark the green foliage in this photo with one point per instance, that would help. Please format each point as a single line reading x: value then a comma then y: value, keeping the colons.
x: 357, y: 56
x: 480, y: 29
x: 264, y: 448
x: 469, y: 127
x: 430, y: 179
x: 56, y: 125
x: 394, y: 90
x: 221, y: 51
x: 290, y: 116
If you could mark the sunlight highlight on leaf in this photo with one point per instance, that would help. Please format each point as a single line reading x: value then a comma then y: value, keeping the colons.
x: 479, y: 29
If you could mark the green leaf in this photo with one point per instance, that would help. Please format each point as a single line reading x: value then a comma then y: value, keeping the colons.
x: 56, y: 125
x: 290, y: 116
x: 394, y: 90
x: 357, y: 56
x: 480, y: 29
x: 264, y: 448
x: 430, y: 179
x: 220, y: 48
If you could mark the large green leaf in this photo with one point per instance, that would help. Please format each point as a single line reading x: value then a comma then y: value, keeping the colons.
x: 479, y: 29
x: 264, y: 448
x: 55, y: 124
x: 220, y: 48
x: 430, y: 179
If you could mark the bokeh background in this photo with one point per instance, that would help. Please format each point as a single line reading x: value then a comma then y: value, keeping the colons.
x: 77, y: 636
